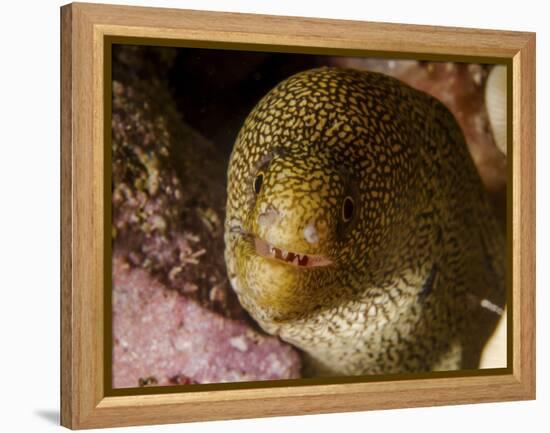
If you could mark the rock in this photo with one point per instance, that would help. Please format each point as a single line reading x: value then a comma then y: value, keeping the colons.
x: 167, y: 208
x: 161, y: 337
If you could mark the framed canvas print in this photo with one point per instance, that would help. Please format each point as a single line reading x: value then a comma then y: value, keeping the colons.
x: 268, y: 216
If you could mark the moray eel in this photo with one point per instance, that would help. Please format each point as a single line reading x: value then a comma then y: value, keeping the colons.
x: 358, y: 230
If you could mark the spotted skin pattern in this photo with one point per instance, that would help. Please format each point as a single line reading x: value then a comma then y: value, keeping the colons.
x: 408, y: 271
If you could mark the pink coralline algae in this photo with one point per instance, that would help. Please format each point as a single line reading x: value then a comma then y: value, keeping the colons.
x: 160, y: 337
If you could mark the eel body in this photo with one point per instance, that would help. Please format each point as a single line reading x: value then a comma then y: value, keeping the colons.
x: 358, y: 229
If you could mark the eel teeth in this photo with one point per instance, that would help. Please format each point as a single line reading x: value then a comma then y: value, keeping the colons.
x: 267, y: 250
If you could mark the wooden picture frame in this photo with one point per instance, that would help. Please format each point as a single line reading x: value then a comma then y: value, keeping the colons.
x: 86, y: 30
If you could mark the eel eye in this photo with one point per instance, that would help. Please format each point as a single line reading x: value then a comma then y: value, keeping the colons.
x: 347, y: 209
x: 258, y: 181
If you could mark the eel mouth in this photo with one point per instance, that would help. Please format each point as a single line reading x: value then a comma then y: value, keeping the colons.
x: 265, y: 249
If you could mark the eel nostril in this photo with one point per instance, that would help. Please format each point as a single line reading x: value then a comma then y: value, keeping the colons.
x: 310, y: 234
x: 268, y: 217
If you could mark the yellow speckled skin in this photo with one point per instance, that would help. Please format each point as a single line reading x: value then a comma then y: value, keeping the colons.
x: 409, y: 271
